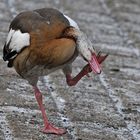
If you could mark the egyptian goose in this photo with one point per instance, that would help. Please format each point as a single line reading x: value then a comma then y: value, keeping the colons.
x: 45, y: 40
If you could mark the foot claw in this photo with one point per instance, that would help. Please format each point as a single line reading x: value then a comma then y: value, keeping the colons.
x: 101, y: 57
x: 99, y: 54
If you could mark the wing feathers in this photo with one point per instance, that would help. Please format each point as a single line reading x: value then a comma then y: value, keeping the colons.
x: 55, y: 53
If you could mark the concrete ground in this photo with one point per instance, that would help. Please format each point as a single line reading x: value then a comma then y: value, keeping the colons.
x: 104, y: 107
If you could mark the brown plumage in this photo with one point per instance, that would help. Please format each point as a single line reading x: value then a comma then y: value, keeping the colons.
x: 42, y: 41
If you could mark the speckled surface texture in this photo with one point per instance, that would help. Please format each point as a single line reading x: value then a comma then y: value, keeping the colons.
x: 104, y: 107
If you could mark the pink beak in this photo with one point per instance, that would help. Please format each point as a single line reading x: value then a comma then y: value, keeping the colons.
x: 94, y: 64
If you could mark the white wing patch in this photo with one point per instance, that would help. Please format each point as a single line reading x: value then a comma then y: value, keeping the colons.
x: 72, y: 22
x: 17, y: 40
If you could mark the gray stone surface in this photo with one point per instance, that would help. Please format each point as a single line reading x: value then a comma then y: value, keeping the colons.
x: 104, y: 107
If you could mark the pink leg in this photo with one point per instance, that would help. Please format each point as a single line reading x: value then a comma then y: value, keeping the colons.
x: 49, y: 128
x: 73, y: 81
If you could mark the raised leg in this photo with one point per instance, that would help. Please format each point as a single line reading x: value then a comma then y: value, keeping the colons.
x: 73, y: 81
x: 48, y: 128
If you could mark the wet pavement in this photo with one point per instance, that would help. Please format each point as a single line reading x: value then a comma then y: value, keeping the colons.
x: 104, y: 107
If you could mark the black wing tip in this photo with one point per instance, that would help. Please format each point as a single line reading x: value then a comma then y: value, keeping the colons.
x: 8, y: 56
x: 10, y: 63
x: 4, y: 58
